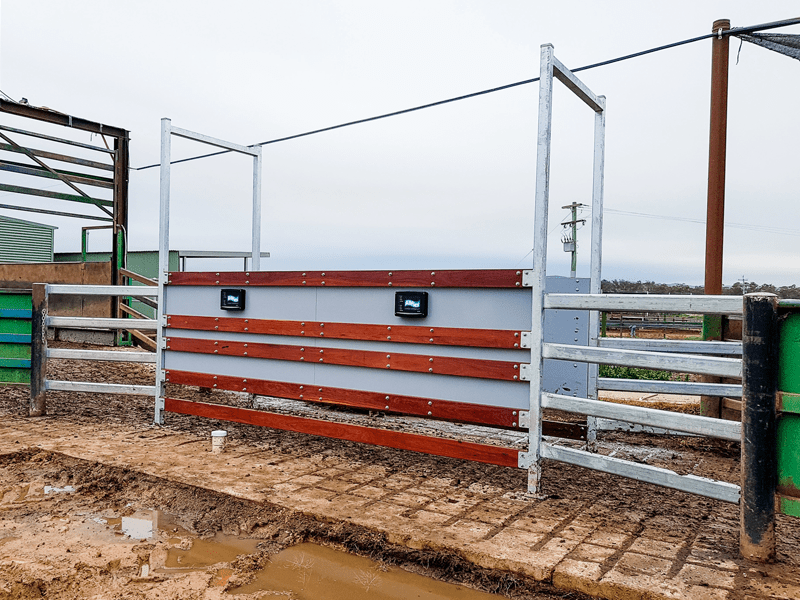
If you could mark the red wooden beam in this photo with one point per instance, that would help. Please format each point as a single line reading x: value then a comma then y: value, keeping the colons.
x: 473, y: 278
x: 445, y: 336
x: 493, y: 455
x: 441, y: 365
x: 446, y: 410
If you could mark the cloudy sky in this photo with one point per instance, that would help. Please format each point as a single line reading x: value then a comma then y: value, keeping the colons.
x: 447, y: 187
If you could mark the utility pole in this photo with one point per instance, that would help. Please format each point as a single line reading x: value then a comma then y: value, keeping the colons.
x: 570, y: 240
x: 744, y: 285
x: 715, y: 219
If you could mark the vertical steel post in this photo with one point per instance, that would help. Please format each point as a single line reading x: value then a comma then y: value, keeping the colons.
x: 38, y: 406
x: 596, y: 260
x: 255, y: 261
x: 163, y: 263
x: 759, y: 452
x: 715, y: 217
x: 533, y: 457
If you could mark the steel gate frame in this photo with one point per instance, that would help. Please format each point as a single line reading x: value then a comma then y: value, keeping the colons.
x: 552, y: 68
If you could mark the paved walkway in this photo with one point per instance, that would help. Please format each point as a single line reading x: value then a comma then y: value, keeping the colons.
x: 575, y: 545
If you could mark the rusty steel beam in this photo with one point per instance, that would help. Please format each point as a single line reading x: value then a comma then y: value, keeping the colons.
x: 715, y: 204
x: 52, y: 116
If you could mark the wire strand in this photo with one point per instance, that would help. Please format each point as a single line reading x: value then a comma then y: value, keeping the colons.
x: 734, y: 31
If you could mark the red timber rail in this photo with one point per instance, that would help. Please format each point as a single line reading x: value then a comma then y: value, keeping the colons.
x: 489, y: 278
x: 502, y: 417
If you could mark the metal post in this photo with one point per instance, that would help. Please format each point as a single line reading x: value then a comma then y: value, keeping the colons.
x: 163, y: 263
x: 759, y: 461
x: 255, y: 260
x: 38, y: 405
x: 533, y: 458
x: 596, y: 260
x: 715, y: 218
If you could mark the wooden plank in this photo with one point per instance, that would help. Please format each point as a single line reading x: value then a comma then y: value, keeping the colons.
x: 441, y: 365
x: 445, y: 336
x: 137, y: 277
x: 132, y: 311
x: 445, y: 410
x: 494, y: 455
x: 487, y: 278
x: 146, y: 342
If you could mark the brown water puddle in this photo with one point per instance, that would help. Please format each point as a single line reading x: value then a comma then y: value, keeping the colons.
x: 309, y: 572
x: 206, y: 552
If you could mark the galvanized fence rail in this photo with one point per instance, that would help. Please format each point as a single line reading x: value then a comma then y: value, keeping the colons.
x: 40, y: 353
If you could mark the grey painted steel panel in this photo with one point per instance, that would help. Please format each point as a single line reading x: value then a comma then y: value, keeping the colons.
x: 513, y: 394
x: 450, y: 307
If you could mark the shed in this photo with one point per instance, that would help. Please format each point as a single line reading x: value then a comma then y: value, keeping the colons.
x: 25, y: 241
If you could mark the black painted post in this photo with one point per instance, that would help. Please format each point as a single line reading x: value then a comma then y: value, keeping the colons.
x: 759, y: 385
x: 38, y: 405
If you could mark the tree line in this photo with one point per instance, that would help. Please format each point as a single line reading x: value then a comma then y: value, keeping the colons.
x: 623, y: 286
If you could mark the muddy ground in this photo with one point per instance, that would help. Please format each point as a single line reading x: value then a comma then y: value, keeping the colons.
x: 50, y: 545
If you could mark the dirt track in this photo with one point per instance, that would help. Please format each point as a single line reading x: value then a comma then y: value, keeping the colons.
x: 614, y: 504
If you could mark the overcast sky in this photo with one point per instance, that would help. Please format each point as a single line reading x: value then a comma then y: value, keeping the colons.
x: 447, y: 187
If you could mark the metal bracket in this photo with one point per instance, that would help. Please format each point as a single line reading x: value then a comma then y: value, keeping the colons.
x: 525, y: 419
x: 527, y: 278
x: 525, y: 339
x: 526, y: 459
x: 524, y: 372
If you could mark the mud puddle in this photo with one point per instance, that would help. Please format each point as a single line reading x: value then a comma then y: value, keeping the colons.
x: 308, y: 571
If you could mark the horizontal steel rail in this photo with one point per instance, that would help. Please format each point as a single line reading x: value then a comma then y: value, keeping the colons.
x: 705, y: 426
x: 99, y: 388
x: 691, y: 388
x: 680, y: 346
x: 719, y: 490
x: 684, y: 363
x: 94, y: 322
x: 709, y: 305
x: 212, y: 141
x: 51, y: 138
x: 103, y: 290
x: 104, y: 355
x: 59, y: 157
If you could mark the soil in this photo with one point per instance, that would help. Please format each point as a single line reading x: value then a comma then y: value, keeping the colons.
x: 58, y: 551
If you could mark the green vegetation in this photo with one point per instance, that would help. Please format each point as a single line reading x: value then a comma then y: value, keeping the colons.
x: 636, y: 373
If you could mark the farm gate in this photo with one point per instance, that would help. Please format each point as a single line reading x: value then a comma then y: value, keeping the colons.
x: 494, y: 347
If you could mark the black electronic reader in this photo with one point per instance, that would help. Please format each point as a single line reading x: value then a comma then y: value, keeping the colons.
x: 411, y: 304
x: 232, y: 299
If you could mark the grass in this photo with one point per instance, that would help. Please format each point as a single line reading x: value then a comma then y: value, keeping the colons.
x: 637, y: 373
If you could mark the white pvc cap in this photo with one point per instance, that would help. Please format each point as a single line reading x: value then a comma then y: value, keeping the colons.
x: 219, y: 433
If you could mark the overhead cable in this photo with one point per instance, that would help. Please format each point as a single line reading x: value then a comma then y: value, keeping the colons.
x: 734, y: 31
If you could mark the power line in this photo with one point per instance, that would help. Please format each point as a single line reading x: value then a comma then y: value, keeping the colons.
x: 746, y: 226
x: 734, y: 31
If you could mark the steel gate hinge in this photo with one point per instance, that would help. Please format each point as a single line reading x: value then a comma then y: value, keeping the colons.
x: 525, y: 339
x: 525, y: 419
x: 527, y: 278
x: 524, y: 372
x: 526, y: 459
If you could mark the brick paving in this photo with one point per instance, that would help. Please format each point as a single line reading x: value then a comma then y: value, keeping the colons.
x: 580, y: 545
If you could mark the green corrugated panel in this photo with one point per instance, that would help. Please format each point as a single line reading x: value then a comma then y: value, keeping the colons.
x: 788, y: 441
x: 789, y: 355
x: 16, y: 306
x: 15, y: 375
x: 25, y: 241
x: 789, y: 455
x: 789, y: 506
x: 16, y: 351
x: 19, y: 326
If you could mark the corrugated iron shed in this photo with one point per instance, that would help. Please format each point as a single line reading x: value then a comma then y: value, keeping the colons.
x: 25, y: 241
